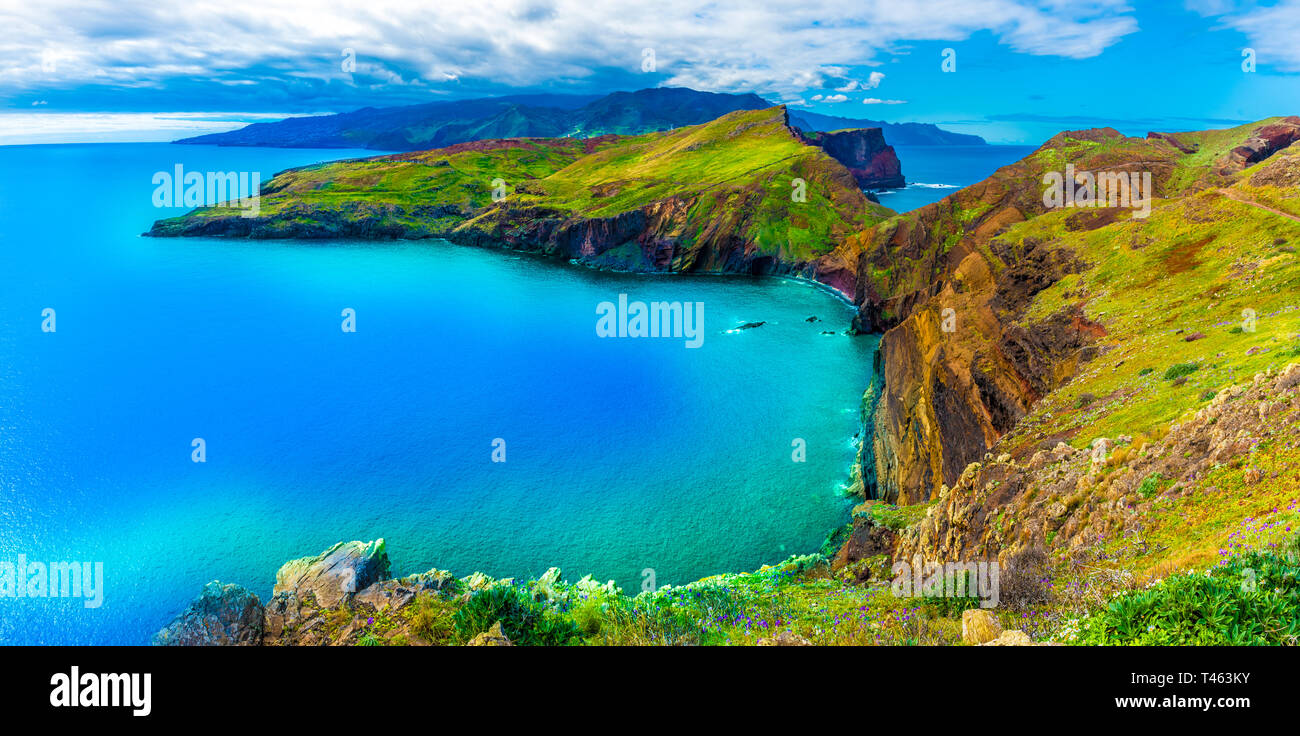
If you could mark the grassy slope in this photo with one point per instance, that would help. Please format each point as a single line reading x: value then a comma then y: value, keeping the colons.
x: 1194, y: 267
x: 736, y: 173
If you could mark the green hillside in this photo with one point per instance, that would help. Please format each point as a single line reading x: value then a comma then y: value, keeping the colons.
x: 717, y: 196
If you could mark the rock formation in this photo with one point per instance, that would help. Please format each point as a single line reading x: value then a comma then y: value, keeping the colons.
x: 339, y: 571
x: 865, y: 154
x: 222, y: 615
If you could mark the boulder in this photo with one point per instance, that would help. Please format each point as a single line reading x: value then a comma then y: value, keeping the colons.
x: 784, y: 639
x: 1012, y: 638
x: 222, y: 615
x: 338, y: 572
x: 493, y: 637
x: 979, y: 626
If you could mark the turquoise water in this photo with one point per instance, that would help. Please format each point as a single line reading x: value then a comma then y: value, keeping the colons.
x: 621, y: 454
x: 934, y: 172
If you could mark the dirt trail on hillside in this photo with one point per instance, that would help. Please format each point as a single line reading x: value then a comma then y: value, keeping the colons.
x: 1237, y: 196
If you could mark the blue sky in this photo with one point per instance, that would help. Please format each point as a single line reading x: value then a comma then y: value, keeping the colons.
x: 1025, y: 69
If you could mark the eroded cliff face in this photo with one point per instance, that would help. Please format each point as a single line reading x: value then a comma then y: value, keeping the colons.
x: 961, y: 361
x: 722, y: 229
x: 864, y: 153
x: 1072, y: 498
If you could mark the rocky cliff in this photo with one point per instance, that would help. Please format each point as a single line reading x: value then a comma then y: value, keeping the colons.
x: 864, y: 153
x: 988, y: 299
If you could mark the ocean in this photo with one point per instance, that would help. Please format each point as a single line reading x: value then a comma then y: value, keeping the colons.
x: 631, y: 459
x: 934, y: 172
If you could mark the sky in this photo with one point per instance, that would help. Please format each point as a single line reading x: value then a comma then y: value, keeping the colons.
x: 1013, y: 71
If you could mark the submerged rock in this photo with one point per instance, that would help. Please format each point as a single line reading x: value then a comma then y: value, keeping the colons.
x: 222, y: 615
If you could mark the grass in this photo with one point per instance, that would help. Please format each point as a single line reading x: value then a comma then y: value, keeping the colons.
x: 1195, y: 265
x: 896, y: 517
x: 731, y: 178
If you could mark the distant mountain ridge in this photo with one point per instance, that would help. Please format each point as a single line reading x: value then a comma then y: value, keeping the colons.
x: 439, y: 124
x: 898, y: 134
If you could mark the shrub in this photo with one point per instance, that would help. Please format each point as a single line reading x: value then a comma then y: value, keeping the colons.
x: 950, y: 606
x: 1146, y: 371
x: 588, y: 617
x: 1151, y: 485
x: 1249, y: 599
x: 1178, y: 370
x: 526, y: 622
x: 1027, y: 580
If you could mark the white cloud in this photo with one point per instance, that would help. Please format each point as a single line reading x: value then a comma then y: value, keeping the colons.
x: 872, y: 82
x: 727, y: 45
x: 878, y: 101
x: 833, y: 98
x: 1272, y: 31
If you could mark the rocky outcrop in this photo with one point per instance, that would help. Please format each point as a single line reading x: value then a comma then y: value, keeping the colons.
x: 222, y: 615
x: 493, y: 637
x: 1013, y: 638
x: 1264, y: 142
x: 1077, y: 496
x: 864, y: 153
x: 338, y: 572
x: 866, y: 540
x: 960, y: 364
x: 309, y: 592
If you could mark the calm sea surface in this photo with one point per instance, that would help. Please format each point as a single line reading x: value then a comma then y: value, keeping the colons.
x: 622, y: 455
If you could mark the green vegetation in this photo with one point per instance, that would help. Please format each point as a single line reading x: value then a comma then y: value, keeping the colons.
x: 1180, y: 370
x: 734, y: 177
x: 1152, y: 485
x: 896, y: 517
x: 1250, y: 599
x: 524, y: 620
